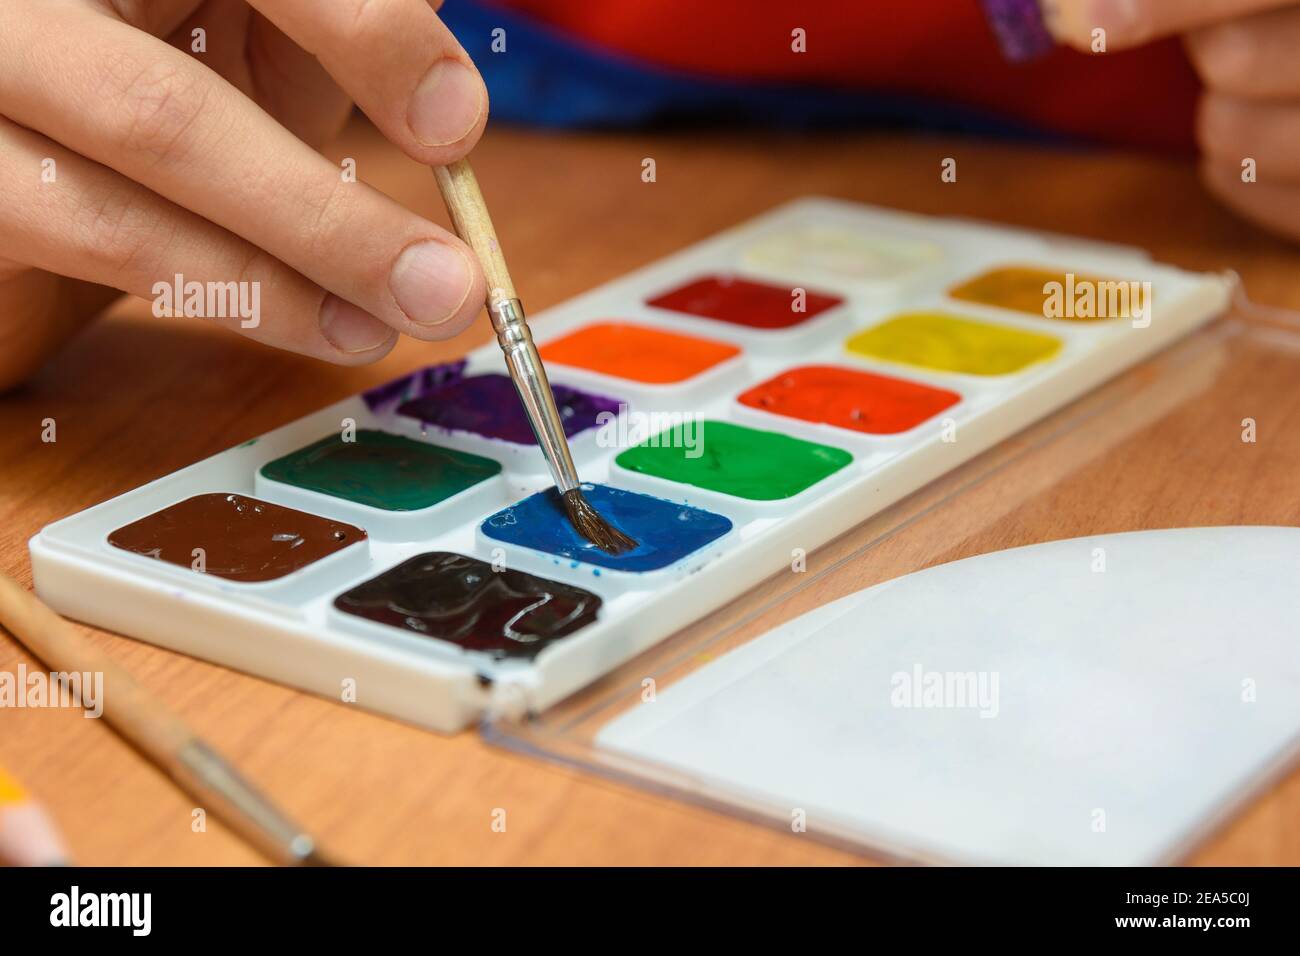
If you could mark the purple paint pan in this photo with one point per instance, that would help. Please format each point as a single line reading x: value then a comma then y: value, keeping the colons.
x: 487, y: 405
x: 386, y: 397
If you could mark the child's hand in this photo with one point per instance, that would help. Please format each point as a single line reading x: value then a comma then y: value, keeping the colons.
x: 131, y: 153
x: 1247, y: 52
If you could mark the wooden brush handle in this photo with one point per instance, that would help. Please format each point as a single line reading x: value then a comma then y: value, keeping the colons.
x: 469, y: 212
x: 473, y: 223
x: 155, y: 730
x: 134, y: 711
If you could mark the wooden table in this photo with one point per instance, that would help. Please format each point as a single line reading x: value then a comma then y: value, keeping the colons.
x: 137, y: 397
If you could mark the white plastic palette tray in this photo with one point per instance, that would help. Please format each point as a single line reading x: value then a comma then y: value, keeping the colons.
x: 289, y: 630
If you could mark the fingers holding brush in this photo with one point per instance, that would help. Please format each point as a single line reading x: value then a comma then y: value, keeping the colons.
x: 181, y: 131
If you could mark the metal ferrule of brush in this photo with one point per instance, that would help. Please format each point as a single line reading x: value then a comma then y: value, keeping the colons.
x: 203, y: 771
x: 529, y: 375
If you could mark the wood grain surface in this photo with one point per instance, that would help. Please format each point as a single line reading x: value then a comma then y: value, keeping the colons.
x: 136, y: 397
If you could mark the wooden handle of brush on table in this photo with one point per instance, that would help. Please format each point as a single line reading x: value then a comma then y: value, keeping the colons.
x: 473, y: 223
x: 136, y: 713
x: 154, y: 730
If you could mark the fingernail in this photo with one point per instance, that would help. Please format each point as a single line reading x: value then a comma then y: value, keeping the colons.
x: 447, y: 104
x: 430, y: 282
x: 1119, y: 17
x: 350, y: 329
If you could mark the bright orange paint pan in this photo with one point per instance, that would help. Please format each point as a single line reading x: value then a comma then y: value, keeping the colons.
x: 637, y: 353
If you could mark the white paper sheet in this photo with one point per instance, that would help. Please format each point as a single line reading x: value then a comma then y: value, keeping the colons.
x: 1122, y: 709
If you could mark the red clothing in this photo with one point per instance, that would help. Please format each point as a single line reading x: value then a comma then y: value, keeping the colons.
x: 940, y: 48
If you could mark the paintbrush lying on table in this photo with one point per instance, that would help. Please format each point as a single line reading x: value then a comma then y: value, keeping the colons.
x: 469, y: 213
x: 154, y: 730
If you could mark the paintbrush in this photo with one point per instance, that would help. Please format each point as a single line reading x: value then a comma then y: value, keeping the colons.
x: 470, y: 214
x: 156, y: 731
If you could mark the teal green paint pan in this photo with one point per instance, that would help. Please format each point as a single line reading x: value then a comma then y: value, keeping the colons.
x: 389, y: 476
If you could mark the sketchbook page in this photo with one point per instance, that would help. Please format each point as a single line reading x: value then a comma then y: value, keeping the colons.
x: 1089, y: 701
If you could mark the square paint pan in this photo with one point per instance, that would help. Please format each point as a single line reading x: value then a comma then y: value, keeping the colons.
x: 877, y: 265
x: 732, y: 468
x: 396, y: 487
x: 673, y: 539
x: 765, y: 317
x: 1058, y: 295
x: 651, y: 364
x: 458, y: 605
x: 235, y: 543
x: 481, y: 413
x: 955, y: 343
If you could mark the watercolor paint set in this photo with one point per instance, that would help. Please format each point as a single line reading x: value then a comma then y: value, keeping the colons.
x: 732, y: 407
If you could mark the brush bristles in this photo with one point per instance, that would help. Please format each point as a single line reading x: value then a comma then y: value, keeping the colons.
x: 587, y: 521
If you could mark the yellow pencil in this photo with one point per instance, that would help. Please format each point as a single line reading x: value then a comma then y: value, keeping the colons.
x: 27, y: 834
